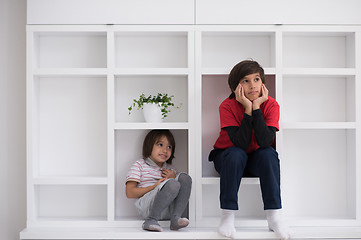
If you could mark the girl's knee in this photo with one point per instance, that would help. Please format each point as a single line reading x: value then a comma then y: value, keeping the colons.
x: 184, y: 178
x: 172, y: 186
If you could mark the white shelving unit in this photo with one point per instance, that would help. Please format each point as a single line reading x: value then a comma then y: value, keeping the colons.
x: 81, y: 139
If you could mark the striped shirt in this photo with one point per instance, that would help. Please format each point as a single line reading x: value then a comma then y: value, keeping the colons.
x: 146, y: 172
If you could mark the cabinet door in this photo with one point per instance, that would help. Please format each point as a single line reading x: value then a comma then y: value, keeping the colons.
x: 277, y: 12
x: 110, y: 12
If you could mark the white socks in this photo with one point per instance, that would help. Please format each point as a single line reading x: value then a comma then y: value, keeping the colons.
x: 276, y: 224
x: 226, y: 227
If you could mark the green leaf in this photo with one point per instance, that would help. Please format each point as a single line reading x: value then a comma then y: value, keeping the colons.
x: 162, y: 99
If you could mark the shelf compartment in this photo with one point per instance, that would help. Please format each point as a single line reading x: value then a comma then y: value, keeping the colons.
x: 319, y: 50
x: 127, y: 152
x: 128, y: 88
x: 151, y: 49
x: 71, y: 202
x: 225, y: 49
x: 215, y: 89
x: 338, y: 106
x: 69, y: 126
x: 249, y: 202
x: 321, y: 164
x: 70, y: 50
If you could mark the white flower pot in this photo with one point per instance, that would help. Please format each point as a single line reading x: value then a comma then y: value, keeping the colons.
x: 152, y: 112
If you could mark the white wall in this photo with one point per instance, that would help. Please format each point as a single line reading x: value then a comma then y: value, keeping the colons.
x: 12, y: 118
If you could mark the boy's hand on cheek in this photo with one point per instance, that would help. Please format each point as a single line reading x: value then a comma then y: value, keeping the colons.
x: 242, y: 99
x: 261, y: 99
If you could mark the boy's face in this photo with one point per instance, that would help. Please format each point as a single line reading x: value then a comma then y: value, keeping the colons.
x: 162, y: 150
x: 252, y: 84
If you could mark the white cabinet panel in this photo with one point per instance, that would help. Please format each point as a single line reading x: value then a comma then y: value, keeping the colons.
x: 278, y: 12
x: 110, y: 12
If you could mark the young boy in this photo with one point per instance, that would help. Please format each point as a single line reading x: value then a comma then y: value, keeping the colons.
x: 245, y: 146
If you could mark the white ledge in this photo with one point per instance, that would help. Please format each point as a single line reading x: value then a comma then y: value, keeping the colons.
x: 186, y: 233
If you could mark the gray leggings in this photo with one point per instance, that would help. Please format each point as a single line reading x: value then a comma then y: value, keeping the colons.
x: 168, y: 200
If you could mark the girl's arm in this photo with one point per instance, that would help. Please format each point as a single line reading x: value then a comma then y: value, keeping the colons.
x: 132, y: 191
x: 263, y: 133
x: 241, y: 136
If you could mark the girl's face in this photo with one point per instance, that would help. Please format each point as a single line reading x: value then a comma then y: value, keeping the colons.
x: 162, y: 151
x: 252, y: 84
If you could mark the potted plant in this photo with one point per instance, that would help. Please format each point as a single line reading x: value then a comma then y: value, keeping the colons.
x: 155, y: 108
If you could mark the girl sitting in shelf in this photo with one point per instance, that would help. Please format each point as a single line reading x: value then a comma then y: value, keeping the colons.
x: 162, y: 193
x: 245, y: 146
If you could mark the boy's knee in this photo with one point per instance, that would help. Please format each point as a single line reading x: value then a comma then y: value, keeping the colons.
x: 268, y: 156
x: 235, y: 156
x: 268, y: 152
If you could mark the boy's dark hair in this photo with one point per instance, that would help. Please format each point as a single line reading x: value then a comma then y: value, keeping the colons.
x: 242, y: 69
x: 152, y: 137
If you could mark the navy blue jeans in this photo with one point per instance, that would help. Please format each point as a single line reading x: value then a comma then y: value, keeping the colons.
x: 234, y: 163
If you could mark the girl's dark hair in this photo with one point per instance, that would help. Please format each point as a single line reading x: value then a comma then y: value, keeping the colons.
x: 242, y: 69
x: 152, y: 137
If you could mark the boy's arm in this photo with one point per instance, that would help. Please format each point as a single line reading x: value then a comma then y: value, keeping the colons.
x: 264, y: 134
x: 241, y: 136
x: 132, y: 191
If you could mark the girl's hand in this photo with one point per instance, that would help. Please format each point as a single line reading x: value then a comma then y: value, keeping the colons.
x: 261, y: 99
x: 168, y: 173
x: 158, y: 182
x: 242, y: 99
